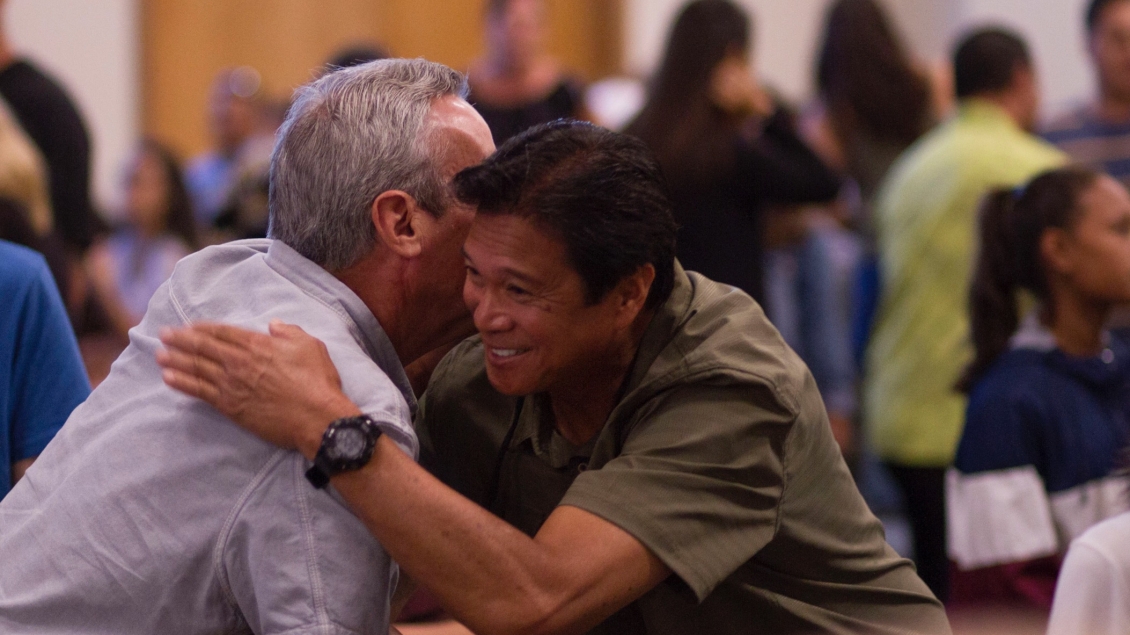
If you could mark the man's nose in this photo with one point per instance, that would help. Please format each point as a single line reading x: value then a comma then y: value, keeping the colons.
x: 489, y: 314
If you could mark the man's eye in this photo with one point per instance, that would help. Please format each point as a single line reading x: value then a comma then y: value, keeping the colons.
x: 516, y: 290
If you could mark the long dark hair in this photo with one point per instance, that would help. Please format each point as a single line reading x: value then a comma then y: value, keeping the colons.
x: 179, y: 220
x: 1012, y: 223
x: 866, y: 78
x: 692, y: 138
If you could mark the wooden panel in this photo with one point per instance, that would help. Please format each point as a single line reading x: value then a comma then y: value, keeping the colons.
x: 186, y: 42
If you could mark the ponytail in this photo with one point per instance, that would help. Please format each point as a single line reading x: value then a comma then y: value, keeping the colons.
x: 992, y: 295
x: 1012, y: 223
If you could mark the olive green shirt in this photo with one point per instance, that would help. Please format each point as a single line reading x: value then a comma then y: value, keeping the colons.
x: 718, y: 458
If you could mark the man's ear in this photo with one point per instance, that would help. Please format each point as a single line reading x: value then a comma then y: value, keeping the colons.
x: 395, y: 217
x: 631, y: 294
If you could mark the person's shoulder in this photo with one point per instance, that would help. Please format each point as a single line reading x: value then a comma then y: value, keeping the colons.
x: 1015, y: 378
x: 1108, y: 538
x: 931, y: 152
x: 217, y: 259
x: 725, y: 338
x: 462, y: 376
x: 19, y: 257
x: 460, y: 394
x: 20, y: 268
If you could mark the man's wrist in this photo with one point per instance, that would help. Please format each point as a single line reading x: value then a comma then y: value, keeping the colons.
x: 310, y: 437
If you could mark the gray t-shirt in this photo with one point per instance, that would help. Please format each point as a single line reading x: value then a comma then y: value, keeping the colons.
x: 152, y: 513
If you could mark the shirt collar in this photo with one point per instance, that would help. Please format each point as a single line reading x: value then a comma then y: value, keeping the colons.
x: 984, y: 111
x: 331, y: 292
x: 1032, y: 334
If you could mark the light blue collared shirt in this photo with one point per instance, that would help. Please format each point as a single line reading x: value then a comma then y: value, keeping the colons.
x: 150, y: 512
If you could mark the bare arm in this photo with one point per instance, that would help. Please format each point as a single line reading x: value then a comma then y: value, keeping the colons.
x: 19, y: 468
x: 576, y: 572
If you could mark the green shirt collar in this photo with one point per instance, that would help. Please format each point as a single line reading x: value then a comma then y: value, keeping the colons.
x: 977, y: 110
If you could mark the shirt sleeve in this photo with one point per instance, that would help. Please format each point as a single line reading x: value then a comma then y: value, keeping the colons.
x: 1091, y: 595
x: 997, y: 507
x: 48, y: 376
x: 699, y: 481
x: 295, y: 560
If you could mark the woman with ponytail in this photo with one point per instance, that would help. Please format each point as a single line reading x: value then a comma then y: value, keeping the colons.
x: 1049, y: 393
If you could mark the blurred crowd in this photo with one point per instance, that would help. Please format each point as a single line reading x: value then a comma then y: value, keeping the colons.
x: 948, y: 264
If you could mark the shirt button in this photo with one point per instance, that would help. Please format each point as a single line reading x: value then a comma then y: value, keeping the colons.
x: 581, y: 467
x: 1108, y: 355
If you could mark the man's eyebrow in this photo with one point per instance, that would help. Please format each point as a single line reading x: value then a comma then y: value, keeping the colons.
x: 514, y: 273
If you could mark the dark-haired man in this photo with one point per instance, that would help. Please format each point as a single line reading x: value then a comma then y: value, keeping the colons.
x: 655, y: 457
x: 1097, y: 134
x: 926, y: 221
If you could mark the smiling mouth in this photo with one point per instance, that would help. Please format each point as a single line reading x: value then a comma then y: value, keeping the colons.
x: 506, y: 353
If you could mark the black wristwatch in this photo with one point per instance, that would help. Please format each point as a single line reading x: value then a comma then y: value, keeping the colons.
x: 346, y: 445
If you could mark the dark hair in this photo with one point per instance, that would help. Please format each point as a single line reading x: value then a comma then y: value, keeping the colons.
x: 692, y: 138
x: 1095, y: 12
x: 600, y: 192
x: 1012, y: 222
x: 866, y: 78
x: 179, y: 220
x: 986, y: 61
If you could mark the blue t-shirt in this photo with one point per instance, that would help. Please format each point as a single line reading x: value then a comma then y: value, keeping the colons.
x: 42, y: 377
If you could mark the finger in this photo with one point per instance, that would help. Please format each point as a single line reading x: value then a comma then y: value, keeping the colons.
x: 191, y: 385
x: 233, y: 335
x: 279, y: 328
x: 188, y: 363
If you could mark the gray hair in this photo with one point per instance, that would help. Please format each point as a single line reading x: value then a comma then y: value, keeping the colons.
x: 349, y: 136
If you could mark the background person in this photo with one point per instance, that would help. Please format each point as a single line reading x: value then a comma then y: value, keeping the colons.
x: 873, y: 103
x: 232, y: 120
x: 926, y: 221
x: 127, y: 267
x: 41, y: 374
x: 517, y: 84
x: 1097, y: 134
x: 1049, y: 397
x: 726, y: 149
x: 51, y: 119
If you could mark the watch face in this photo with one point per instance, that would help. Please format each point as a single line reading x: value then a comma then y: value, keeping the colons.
x: 348, y: 444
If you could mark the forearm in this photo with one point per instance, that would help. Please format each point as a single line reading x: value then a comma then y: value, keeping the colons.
x: 486, y: 573
x: 577, y: 571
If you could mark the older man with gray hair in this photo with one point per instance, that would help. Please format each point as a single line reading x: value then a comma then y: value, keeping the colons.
x: 150, y: 512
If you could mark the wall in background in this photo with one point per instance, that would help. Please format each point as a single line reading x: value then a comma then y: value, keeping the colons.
x: 92, y: 48
x: 288, y: 41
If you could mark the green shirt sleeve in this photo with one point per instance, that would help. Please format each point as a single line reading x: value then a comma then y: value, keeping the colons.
x: 699, y: 480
